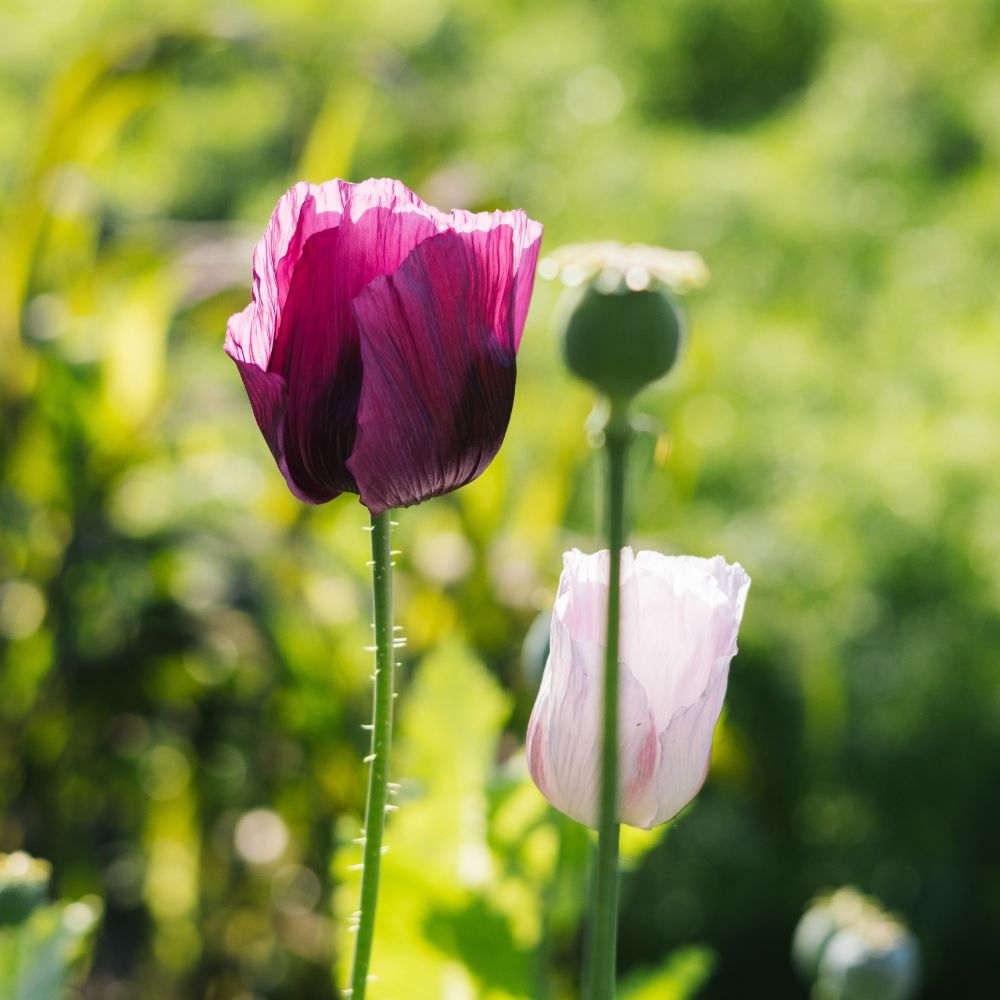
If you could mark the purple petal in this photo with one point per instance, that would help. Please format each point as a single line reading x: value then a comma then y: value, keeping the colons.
x: 250, y: 334
x: 438, y: 342
x: 268, y: 399
x: 527, y: 237
x: 329, y: 257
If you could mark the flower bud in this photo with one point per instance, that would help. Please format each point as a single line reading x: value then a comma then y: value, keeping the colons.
x: 878, y: 963
x: 679, y: 619
x: 853, y: 950
x: 621, y: 340
x: 622, y: 330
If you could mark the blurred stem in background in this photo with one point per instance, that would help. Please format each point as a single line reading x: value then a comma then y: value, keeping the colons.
x: 600, y: 975
x: 378, y: 780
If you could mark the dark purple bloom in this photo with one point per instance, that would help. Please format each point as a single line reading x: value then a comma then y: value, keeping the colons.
x: 379, y: 348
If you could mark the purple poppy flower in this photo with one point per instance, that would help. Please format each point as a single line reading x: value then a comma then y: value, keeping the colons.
x: 379, y: 347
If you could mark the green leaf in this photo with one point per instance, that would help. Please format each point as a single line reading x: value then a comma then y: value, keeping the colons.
x: 439, y: 863
x: 40, y: 959
x: 681, y: 977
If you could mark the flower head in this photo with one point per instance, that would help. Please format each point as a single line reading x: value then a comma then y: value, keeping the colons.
x: 619, y: 325
x: 378, y: 350
x: 855, y: 949
x: 679, y: 620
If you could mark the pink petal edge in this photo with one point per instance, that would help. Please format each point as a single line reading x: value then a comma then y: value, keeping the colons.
x: 250, y: 333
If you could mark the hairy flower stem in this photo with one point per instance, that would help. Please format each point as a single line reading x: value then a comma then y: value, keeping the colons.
x: 378, y: 778
x: 604, y: 915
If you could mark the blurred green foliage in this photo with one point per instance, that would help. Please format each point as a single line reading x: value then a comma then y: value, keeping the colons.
x: 181, y: 643
x: 43, y: 948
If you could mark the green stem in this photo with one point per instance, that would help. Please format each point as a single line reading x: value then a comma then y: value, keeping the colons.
x: 378, y: 778
x: 604, y: 932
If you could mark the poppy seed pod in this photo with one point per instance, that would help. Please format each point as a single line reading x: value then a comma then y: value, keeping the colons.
x: 679, y: 620
x: 852, y: 950
x: 879, y: 963
x: 621, y: 328
x: 621, y: 340
x: 379, y: 349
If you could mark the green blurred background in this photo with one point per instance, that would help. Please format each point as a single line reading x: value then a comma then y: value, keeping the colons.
x: 182, y: 675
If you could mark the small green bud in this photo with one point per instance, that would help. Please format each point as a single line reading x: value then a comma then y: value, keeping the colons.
x: 621, y: 340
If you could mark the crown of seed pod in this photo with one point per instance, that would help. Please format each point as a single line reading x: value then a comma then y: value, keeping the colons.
x: 622, y: 329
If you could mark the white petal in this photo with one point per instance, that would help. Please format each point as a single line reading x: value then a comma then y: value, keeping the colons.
x: 687, y: 616
x: 639, y: 752
x: 564, y: 735
x: 582, y: 601
x: 686, y: 748
x: 570, y: 738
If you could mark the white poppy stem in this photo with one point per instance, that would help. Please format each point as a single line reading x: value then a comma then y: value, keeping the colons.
x: 378, y: 759
x: 601, y: 956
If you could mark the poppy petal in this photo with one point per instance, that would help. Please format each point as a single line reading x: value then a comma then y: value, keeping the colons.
x: 269, y: 400
x: 324, y: 244
x: 438, y: 347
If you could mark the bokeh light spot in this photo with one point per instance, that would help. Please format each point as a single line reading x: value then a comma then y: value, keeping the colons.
x: 164, y: 772
x: 22, y: 608
x: 295, y: 889
x: 261, y: 836
x: 443, y: 557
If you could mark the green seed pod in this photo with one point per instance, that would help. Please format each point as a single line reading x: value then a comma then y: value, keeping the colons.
x: 879, y: 966
x: 621, y: 340
x: 853, y: 950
